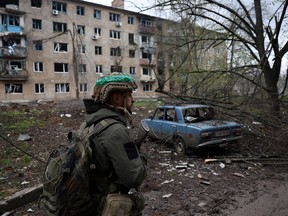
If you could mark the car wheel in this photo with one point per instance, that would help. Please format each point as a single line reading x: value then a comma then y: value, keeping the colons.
x: 180, y: 147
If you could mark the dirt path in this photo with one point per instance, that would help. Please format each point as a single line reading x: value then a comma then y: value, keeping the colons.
x: 272, y: 203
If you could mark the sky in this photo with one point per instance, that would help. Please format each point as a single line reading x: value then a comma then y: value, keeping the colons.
x: 130, y: 5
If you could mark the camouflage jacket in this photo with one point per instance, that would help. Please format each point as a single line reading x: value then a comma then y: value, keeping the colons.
x: 119, y: 164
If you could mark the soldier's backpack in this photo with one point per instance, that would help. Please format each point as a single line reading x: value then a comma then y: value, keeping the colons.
x: 66, y: 187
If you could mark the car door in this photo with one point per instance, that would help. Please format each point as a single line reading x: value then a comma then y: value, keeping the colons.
x: 155, y: 125
x: 169, y: 125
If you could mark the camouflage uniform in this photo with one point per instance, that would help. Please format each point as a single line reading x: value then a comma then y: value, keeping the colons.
x: 120, y: 166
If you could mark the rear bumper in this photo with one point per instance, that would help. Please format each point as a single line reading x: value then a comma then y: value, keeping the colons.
x: 218, y: 142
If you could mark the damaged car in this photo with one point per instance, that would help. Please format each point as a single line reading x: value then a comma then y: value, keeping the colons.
x: 191, y: 127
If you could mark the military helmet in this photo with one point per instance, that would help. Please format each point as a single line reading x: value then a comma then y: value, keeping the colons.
x: 114, y: 82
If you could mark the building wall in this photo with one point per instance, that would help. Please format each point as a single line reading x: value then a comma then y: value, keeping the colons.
x: 48, y: 56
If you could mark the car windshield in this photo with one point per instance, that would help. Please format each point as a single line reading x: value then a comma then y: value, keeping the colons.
x: 198, y: 114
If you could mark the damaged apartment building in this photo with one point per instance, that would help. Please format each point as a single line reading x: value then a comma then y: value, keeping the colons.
x: 56, y: 49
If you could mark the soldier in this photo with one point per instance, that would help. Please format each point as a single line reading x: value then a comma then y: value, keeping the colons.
x: 120, y: 165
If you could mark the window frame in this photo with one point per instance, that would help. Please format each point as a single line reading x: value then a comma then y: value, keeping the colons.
x: 132, y: 70
x: 60, y: 47
x: 115, y: 34
x: 81, y: 86
x: 98, y: 50
x: 147, y: 87
x: 64, y: 87
x: 98, y: 69
x: 82, y: 68
x: 59, y: 6
x: 80, y: 10
x: 114, y: 17
x: 130, y: 20
x: 17, y: 88
x: 81, y: 29
x: 39, y: 65
x: 37, y: 45
x: 115, y: 51
x: 36, y: 24
x: 97, y: 14
x: 39, y: 88
x: 59, y: 27
x: 65, y: 66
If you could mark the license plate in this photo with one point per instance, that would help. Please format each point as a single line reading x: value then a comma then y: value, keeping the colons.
x: 222, y: 133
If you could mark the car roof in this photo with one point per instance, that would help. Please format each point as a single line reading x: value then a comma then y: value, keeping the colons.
x: 184, y: 106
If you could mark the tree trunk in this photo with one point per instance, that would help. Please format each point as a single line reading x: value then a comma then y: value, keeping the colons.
x: 272, y: 89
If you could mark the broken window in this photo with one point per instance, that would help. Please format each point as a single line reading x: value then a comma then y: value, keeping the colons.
x: 82, y: 48
x: 61, y: 67
x: 159, y: 114
x: 13, y: 88
x: 131, y: 53
x: 131, y: 38
x: 36, y: 24
x: 59, y: 27
x: 62, y: 87
x: 36, y: 3
x: 81, y: 29
x: 59, y: 6
x: 147, y: 71
x: 116, y: 68
x: 97, y: 14
x: 82, y: 68
x: 60, y: 47
x: 39, y: 88
x: 37, y: 45
x: 14, y: 20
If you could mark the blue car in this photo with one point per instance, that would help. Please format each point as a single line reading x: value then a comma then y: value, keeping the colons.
x: 191, y: 127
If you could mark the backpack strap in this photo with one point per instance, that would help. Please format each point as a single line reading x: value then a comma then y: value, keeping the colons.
x: 97, y: 128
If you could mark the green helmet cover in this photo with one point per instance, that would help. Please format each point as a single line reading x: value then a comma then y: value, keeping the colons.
x: 114, y: 78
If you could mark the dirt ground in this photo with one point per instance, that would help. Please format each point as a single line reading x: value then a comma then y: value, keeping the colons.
x: 175, y: 185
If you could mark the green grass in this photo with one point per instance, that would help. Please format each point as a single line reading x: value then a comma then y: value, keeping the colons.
x: 147, y: 103
x: 20, y: 121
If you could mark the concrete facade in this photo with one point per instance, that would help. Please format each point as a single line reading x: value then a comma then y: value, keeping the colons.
x: 56, y: 50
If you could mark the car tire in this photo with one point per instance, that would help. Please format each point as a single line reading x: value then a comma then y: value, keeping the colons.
x: 180, y: 146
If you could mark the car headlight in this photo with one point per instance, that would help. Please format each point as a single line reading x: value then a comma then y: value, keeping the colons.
x: 207, y: 134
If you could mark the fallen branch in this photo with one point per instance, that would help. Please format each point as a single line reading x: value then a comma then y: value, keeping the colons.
x: 265, y: 161
x: 21, y: 198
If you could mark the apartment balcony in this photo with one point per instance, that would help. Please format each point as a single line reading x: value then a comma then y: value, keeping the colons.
x: 13, y: 74
x: 144, y: 29
x: 13, y: 52
x: 147, y: 62
x: 147, y: 79
x: 10, y: 28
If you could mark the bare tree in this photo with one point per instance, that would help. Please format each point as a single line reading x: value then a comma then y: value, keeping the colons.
x: 258, y: 27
